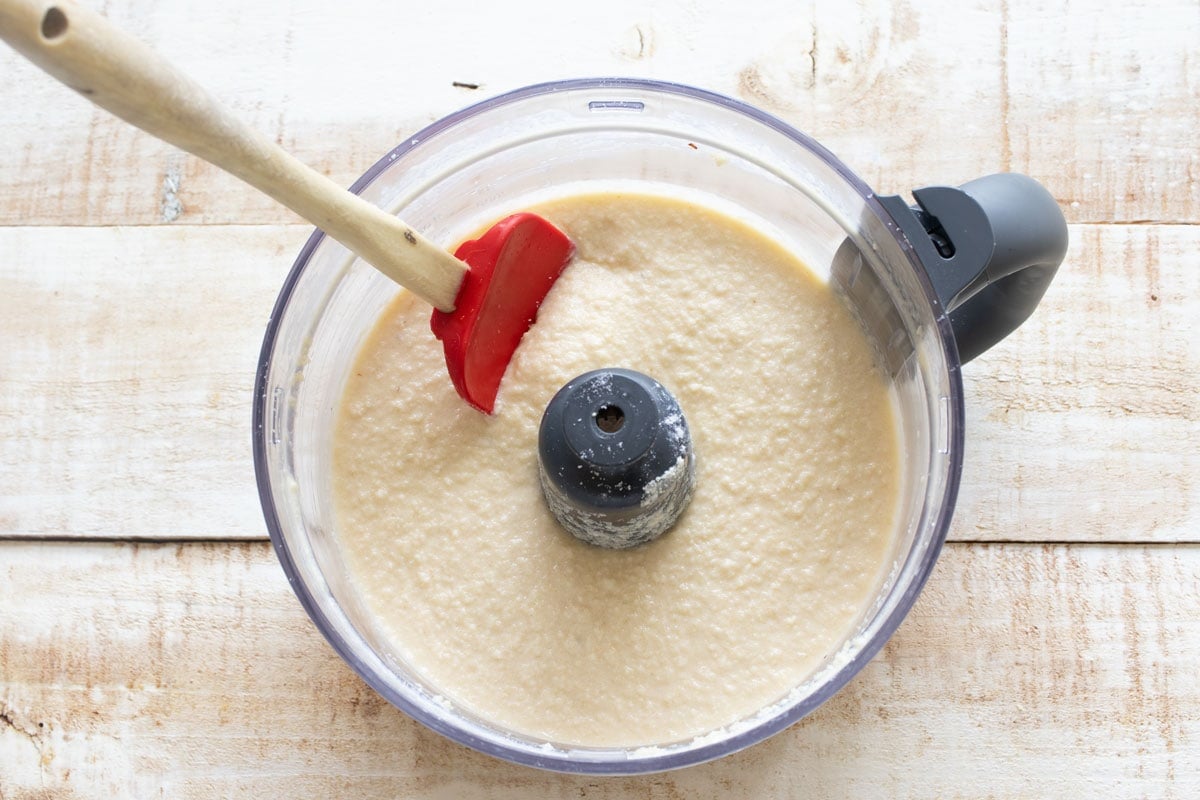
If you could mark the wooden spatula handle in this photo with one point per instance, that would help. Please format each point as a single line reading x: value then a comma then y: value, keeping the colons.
x: 119, y: 73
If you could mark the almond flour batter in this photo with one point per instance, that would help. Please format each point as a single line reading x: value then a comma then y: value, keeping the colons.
x: 787, y: 539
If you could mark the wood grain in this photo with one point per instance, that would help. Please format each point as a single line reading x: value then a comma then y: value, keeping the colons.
x: 1096, y: 99
x: 125, y: 391
x: 127, y: 376
x: 1083, y: 425
x: 1055, y: 650
x: 190, y: 671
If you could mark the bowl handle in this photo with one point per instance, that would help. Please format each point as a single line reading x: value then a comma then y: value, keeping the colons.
x: 990, y: 248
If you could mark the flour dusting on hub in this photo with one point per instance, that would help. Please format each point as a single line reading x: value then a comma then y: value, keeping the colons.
x: 615, y: 458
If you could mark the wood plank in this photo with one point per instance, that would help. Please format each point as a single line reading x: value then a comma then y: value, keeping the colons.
x: 1101, y: 99
x: 1099, y: 107
x: 1098, y: 100
x: 337, y: 88
x: 1083, y: 425
x: 125, y: 388
x: 127, y: 377
x: 191, y: 671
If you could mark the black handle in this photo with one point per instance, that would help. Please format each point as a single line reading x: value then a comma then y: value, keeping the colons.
x: 990, y: 247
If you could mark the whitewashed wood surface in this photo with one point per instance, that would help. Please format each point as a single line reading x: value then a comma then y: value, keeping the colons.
x: 188, y: 671
x: 1056, y: 649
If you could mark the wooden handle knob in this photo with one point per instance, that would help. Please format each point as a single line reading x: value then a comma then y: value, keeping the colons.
x: 119, y: 73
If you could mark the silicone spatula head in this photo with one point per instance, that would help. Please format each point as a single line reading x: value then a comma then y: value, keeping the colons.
x: 512, y: 267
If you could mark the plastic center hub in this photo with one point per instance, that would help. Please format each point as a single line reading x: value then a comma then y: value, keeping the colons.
x: 615, y: 458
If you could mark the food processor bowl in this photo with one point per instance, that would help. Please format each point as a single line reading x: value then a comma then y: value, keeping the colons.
x: 512, y: 151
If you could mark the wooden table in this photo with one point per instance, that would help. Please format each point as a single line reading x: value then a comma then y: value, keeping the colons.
x: 149, y: 644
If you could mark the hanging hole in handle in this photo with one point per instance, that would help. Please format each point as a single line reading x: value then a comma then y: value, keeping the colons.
x: 54, y: 24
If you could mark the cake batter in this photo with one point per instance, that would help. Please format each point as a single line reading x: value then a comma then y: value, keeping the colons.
x: 785, y: 544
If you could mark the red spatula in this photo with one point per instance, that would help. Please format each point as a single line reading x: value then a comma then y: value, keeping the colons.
x: 481, y: 310
x: 513, y: 266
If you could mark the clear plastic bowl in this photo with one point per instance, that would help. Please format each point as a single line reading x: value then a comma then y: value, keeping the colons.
x: 503, y: 154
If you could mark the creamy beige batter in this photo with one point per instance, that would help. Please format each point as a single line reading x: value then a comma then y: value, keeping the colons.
x: 785, y: 543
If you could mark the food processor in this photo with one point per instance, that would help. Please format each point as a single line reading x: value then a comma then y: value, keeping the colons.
x: 932, y: 285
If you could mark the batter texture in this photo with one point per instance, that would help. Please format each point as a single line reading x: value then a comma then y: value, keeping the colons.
x: 784, y: 546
